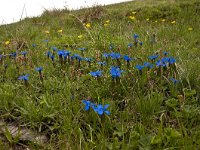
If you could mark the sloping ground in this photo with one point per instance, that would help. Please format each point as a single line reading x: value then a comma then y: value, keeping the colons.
x: 153, y: 96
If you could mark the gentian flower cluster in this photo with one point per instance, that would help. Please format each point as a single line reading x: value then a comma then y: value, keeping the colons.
x: 99, y: 109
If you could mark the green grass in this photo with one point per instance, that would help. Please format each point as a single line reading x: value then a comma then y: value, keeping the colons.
x: 147, y: 110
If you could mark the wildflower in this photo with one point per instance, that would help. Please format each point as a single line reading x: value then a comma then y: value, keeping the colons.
x: 173, y: 22
x: 88, y: 59
x: 87, y: 104
x: 171, y: 60
x: 134, y: 12
x: 141, y: 43
x: 156, y: 21
x: 7, y: 42
x: 88, y: 25
x: 115, y: 72
x: 34, y: 45
x: 175, y: 81
x: 80, y: 36
x: 135, y: 36
x: 105, y: 24
x: 81, y: 49
x: 39, y: 69
x: 130, y: 45
x: 107, y: 21
x: 153, y: 57
x: 14, y: 54
x: 24, y: 77
x: 111, y: 46
x: 47, y: 32
x: 48, y: 54
x: 45, y: 41
x: 106, y: 55
x: 165, y: 59
x: 127, y: 58
x: 96, y: 74
x: 100, y: 109
x: 160, y: 63
x: 139, y: 67
x: 24, y: 53
x: 148, y: 65
x: 165, y: 53
x: 163, y: 20
x: 115, y: 55
x: 60, y: 53
x: 54, y: 48
x: 52, y: 57
x: 132, y: 17
x: 101, y: 63
x: 60, y: 31
x: 147, y: 19
x: 190, y: 29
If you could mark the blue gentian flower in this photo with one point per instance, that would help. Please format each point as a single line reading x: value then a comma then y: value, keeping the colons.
x: 172, y: 60
x: 139, y: 67
x: 81, y: 49
x: 148, y: 65
x: 60, y: 53
x: 115, y: 55
x: 39, y: 69
x: 87, y: 104
x: 135, y: 36
x: 175, y: 81
x: 102, y: 63
x: 165, y: 60
x: 115, y: 72
x: 88, y: 59
x: 48, y: 54
x: 34, y: 45
x: 127, y: 58
x: 160, y: 63
x: 52, y: 57
x: 24, y: 77
x: 54, y: 48
x: 106, y: 55
x: 153, y: 57
x: 24, y: 53
x: 130, y: 45
x: 111, y: 46
x: 165, y: 53
x: 46, y: 41
x: 14, y: 54
x: 141, y: 43
x: 96, y: 74
x: 100, y: 109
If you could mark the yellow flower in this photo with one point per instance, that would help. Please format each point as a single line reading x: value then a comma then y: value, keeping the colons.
x: 134, y: 12
x: 173, y: 22
x: 163, y: 20
x: 7, y: 42
x: 107, y: 21
x: 47, y: 32
x: 132, y: 17
x: 80, y: 36
x: 60, y: 31
x: 88, y: 25
x: 190, y: 29
x: 147, y: 19
x: 156, y: 21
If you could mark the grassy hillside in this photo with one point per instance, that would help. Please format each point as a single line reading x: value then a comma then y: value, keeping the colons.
x: 124, y: 76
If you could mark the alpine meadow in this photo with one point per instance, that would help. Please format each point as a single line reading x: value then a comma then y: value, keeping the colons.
x: 123, y: 76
